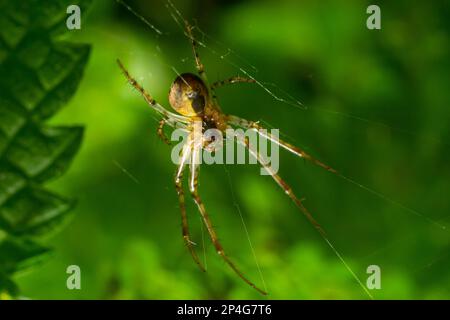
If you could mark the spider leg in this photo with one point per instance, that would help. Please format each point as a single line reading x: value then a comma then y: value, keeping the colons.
x: 193, y: 187
x: 283, y: 184
x: 232, y: 80
x: 186, y: 153
x: 170, y: 117
x: 194, y: 43
x: 160, y: 131
x: 285, y: 145
x: 298, y: 202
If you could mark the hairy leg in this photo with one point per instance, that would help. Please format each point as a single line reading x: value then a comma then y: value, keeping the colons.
x: 185, y: 156
x: 288, y: 190
x: 193, y: 186
x: 171, y: 118
x: 194, y: 43
x: 286, y: 187
x: 287, y: 146
x: 160, y: 131
x: 232, y: 80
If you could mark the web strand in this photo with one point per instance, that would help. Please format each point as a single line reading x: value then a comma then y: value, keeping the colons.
x: 140, y: 17
x: 290, y: 100
x: 238, y: 209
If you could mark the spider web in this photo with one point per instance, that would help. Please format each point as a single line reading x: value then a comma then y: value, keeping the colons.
x: 243, y: 66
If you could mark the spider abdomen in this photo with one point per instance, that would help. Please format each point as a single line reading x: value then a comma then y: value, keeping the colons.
x: 188, y: 95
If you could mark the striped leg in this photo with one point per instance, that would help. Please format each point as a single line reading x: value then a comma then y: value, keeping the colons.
x: 186, y: 154
x: 194, y: 43
x: 287, y: 146
x: 287, y: 189
x: 193, y: 186
x: 232, y: 80
x: 170, y: 117
x: 160, y: 132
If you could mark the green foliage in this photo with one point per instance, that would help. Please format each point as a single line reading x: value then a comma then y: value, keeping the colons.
x: 39, y: 74
x: 126, y: 236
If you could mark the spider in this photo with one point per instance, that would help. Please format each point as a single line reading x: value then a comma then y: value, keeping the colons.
x: 195, y: 102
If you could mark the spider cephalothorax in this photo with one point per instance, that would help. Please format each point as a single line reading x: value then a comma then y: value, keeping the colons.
x: 195, y: 102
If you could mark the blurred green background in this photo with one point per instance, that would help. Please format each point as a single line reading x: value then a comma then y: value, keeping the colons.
x: 377, y: 110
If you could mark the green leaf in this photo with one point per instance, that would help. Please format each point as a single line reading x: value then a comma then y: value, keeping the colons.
x: 39, y: 74
x: 43, y: 153
x: 18, y: 253
x: 33, y: 211
x: 7, y: 287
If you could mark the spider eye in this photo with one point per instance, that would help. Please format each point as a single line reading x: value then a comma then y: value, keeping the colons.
x: 188, y: 95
